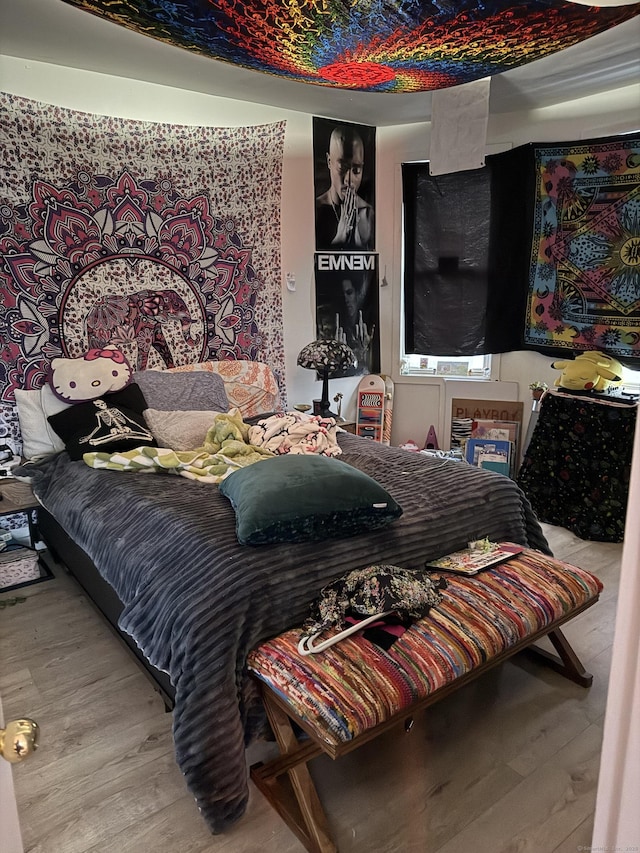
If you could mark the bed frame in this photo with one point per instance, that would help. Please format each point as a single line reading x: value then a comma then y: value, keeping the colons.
x: 101, y: 595
x: 137, y: 578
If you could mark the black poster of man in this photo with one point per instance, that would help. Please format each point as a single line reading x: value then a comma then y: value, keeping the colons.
x: 344, y: 182
x: 347, y: 306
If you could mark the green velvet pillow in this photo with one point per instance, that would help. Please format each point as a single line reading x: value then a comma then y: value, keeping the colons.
x: 296, y: 497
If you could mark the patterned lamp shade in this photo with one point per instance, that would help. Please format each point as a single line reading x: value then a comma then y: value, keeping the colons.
x: 327, y: 357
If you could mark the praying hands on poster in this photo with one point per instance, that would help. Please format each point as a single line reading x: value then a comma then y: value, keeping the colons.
x: 354, y: 220
x: 358, y: 338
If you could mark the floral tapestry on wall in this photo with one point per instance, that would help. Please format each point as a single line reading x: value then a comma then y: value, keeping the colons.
x: 161, y: 239
x: 538, y: 250
x: 584, y: 278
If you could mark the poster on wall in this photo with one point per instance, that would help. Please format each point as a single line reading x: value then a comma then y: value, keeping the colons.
x: 347, y: 306
x: 344, y: 158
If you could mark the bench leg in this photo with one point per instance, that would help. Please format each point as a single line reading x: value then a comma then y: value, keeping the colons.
x: 287, y: 784
x: 567, y: 664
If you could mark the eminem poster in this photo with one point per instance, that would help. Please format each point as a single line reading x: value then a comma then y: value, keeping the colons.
x: 347, y: 306
x: 344, y: 158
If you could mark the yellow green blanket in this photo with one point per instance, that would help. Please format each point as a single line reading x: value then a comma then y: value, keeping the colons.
x: 226, y: 448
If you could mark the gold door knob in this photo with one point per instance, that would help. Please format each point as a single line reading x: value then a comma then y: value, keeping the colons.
x: 19, y: 740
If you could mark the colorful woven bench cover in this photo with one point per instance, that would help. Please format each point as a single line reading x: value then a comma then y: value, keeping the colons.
x: 355, y: 685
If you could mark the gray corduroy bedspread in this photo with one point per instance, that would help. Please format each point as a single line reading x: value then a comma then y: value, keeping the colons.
x: 196, y: 601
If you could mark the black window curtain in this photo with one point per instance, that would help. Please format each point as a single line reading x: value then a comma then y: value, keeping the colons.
x: 465, y: 262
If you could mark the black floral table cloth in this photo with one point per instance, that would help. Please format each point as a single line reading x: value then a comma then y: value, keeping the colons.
x: 576, y: 468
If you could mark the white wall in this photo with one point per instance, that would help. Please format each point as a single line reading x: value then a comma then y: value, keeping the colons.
x: 9, y: 821
x: 617, y: 821
x: 418, y: 402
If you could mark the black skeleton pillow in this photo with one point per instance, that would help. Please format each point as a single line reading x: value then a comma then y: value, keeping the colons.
x: 107, y: 424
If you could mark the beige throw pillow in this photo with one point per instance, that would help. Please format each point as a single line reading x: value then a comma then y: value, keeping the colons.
x: 179, y: 430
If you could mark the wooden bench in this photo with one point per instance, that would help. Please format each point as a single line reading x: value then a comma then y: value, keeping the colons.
x: 354, y: 691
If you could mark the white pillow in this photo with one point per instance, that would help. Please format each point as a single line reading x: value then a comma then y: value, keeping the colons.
x: 38, y: 436
x: 179, y: 430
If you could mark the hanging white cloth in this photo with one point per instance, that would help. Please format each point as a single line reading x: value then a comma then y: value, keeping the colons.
x: 459, y: 117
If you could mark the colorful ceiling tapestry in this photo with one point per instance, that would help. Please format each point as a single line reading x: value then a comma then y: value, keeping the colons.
x: 584, y: 279
x: 161, y: 239
x: 375, y: 46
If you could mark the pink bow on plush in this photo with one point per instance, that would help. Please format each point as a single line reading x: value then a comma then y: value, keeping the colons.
x: 113, y: 354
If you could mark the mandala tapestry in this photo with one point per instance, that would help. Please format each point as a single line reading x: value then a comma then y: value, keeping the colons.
x: 584, y: 276
x: 377, y: 46
x: 162, y: 239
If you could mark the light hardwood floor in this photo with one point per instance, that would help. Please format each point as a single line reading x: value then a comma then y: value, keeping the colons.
x: 508, y: 764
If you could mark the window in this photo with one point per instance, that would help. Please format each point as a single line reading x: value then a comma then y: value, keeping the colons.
x: 631, y: 380
x: 468, y: 366
x: 443, y: 269
x: 445, y: 261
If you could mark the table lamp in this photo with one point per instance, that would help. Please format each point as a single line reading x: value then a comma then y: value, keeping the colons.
x: 327, y: 357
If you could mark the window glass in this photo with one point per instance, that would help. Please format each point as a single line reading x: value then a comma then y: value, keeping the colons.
x: 478, y: 366
x: 631, y: 379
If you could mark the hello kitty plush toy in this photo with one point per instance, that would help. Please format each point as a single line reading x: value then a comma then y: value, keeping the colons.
x: 97, y: 372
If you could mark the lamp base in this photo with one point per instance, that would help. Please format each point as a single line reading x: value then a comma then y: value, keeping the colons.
x: 322, y: 409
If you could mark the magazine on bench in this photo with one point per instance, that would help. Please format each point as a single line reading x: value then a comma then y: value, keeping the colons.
x: 470, y: 561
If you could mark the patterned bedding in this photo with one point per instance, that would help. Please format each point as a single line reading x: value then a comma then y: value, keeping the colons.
x: 196, y: 602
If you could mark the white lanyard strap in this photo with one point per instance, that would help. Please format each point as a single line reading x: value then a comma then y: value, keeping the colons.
x: 306, y: 644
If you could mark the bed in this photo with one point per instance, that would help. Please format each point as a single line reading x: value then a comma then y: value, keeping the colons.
x: 159, y: 555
